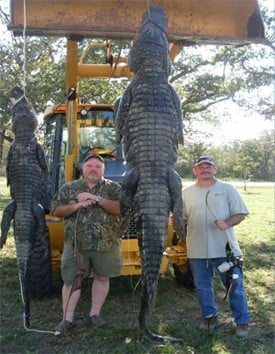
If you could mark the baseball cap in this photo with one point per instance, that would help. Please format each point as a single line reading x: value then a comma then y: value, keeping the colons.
x: 204, y: 159
x: 92, y: 155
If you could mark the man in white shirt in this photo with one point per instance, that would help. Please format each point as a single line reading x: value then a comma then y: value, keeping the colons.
x: 211, y: 209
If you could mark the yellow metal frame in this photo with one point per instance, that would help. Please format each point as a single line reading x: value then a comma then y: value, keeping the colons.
x: 129, y: 248
x: 209, y: 21
x: 75, y: 70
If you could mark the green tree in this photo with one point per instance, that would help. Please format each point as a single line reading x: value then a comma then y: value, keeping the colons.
x: 43, y: 73
x: 41, y: 69
x: 204, y: 77
x: 251, y: 159
x: 187, y: 156
x: 262, y: 151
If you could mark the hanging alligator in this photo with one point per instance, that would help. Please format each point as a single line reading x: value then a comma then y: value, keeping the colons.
x: 27, y: 178
x: 149, y: 120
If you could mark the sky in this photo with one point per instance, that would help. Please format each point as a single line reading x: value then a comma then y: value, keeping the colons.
x: 243, y: 128
x: 241, y: 125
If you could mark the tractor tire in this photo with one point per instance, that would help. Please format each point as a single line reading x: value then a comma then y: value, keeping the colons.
x: 41, y: 272
x: 182, y: 273
x: 185, y: 278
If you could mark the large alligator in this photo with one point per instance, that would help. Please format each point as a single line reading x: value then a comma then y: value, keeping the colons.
x: 149, y: 120
x: 27, y: 178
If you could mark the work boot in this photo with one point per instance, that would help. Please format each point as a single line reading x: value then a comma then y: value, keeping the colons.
x: 242, y: 330
x: 64, y: 327
x: 209, y: 323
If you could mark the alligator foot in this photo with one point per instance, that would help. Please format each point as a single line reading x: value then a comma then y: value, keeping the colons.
x: 8, y: 216
x: 124, y: 223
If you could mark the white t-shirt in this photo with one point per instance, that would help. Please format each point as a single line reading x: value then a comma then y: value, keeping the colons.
x: 204, y: 205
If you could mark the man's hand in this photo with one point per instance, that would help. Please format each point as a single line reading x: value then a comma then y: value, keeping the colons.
x: 67, y: 210
x: 230, y: 222
x: 86, y: 197
x: 85, y: 204
x: 222, y: 225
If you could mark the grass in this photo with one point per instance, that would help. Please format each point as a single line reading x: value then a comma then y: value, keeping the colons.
x: 176, y: 311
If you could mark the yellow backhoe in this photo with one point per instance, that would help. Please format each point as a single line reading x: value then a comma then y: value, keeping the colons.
x: 76, y: 126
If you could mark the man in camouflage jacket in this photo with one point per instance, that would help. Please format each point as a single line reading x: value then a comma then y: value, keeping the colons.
x: 91, y: 209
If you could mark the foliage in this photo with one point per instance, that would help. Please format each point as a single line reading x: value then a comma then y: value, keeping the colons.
x: 248, y: 160
x: 252, y: 159
x: 207, y: 76
x: 44, y: 72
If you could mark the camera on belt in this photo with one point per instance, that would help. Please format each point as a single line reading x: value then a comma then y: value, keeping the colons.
x: 231, y: 262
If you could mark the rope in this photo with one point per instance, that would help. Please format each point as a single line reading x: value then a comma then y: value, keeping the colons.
x: 215, y: 217
x: 24, y: 317
x: 35, y: 330
x: 148, y: 8
x: 14, y: 103
x: 79, y: 260
x: 228, y: 288
x: 24, y: 44
x: 79, y: 276
x: 151, y: 20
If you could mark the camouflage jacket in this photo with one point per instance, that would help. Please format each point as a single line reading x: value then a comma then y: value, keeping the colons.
x: 91, y: 228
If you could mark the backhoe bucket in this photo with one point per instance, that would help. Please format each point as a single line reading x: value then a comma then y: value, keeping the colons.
x: 189, y: 21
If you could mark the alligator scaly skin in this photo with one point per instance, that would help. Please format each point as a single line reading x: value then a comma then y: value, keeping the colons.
x: 149, y: 120
x: 27, y: 178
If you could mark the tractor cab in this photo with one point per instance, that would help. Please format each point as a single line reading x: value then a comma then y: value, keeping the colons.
x: 95, y: 132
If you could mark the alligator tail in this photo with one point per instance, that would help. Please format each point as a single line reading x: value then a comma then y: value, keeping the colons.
x: 144, y: 313
x: 154, y: 214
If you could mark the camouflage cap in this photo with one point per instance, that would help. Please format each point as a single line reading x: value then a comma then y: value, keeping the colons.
x: 204, y: 159
x: 92, y: 155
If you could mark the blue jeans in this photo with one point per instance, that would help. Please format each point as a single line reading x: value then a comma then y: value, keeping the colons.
x: 203, y: 272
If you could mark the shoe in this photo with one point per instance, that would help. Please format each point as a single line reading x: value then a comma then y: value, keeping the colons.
x: 209, y: 323
x: 97, y: 320
x: 63, y: 327
x: 242, y: 330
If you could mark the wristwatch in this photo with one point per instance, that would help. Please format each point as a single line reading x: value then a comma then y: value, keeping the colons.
x: 98, y: 199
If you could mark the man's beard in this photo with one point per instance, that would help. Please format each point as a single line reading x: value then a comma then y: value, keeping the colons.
x: 92, y: 178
